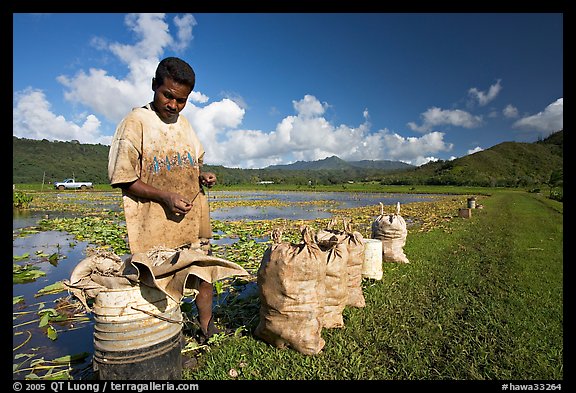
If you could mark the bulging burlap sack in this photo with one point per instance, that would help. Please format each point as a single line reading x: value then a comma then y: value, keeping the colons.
x: 291, y: 287
x: 336, y: 278
x: 355, y: 245
x: 391, y: 230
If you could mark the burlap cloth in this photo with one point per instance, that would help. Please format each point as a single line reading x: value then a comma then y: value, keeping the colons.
x: 174, y: 272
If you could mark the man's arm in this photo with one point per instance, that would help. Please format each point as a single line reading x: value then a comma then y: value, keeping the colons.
x: 175, y: 203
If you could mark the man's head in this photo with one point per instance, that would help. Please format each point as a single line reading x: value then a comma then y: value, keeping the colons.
x: 172, y: 84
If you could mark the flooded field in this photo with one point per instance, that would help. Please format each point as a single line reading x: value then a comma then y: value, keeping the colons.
x: 53, y: 335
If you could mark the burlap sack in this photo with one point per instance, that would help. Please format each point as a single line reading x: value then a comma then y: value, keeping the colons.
x: 290, y: 283
x: 171, y: 271
x: 336, y: 278
x: 391, y: 230
x: 354, y: 242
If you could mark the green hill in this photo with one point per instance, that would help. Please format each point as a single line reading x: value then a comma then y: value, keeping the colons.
x: 508, y: 164
x: 37, y: 160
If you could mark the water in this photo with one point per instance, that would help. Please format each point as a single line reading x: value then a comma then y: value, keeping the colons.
x: 300, y: 205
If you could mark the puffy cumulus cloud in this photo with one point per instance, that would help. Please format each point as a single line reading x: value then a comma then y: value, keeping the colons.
x: 307, y: 136
x: 211, y: 122
x: 549, y: 120
x: 482, y: 97
x: 198, y: 97
x: 413, y: 150
x: 436, y: 117
x: 94, y: 89
x: 309, y: 106
x: 33, y: 119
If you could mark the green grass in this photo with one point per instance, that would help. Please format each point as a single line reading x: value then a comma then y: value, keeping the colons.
x: 482, y: 299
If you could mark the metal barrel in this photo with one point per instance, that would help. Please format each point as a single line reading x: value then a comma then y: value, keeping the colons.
x: 137, y: 334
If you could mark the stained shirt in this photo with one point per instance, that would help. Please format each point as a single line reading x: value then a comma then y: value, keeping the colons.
x: 165, y: 156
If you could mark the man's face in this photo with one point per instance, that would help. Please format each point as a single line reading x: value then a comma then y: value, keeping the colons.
x: 169, y: 99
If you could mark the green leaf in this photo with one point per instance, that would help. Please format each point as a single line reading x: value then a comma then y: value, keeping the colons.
x: 19, y: 258
x: 53, y: 258
x: 51, y: 289
x: 71, y: 358
x: 17, y: 299
x: 44, y: 320
x: 24, y: 274
x: 52, y: 334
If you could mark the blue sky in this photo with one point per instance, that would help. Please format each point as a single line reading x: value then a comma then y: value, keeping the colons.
x: 274, y: 88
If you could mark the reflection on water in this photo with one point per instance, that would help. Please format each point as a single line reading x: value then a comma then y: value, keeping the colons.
x: 299, y: 211
x: 69, y: 341
x: 268, y: 213
x: 28, y: 218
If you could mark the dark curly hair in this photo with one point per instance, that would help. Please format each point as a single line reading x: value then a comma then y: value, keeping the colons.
x: 176, y: 69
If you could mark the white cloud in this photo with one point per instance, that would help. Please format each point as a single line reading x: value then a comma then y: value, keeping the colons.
x: 309, y: 106
x: 475, y: 150
x: 95, y: 88
x: 435, y: 117
x: 306, y: 136
x: 424, y: 160
x: 198, y: 97
x: 211, y: 122
x: 32, y: 118
x: 550, y: 119
x: 154, y: 36
x: 184, y: 34
x: 510, y: 112
x: 484, y: 98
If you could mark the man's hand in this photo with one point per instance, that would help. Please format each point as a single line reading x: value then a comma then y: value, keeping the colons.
x: 174, y: 203
x: 207, y: 179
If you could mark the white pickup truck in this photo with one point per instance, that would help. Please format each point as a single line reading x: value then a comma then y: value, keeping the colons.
x: 72, y: 184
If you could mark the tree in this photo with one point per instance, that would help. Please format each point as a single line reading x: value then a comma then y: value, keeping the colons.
x: 556, y: 179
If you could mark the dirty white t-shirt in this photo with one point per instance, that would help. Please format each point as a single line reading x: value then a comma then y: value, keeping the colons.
x: 165, y: 156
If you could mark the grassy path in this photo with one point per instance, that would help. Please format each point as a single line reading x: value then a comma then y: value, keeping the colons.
x: 480, y: 300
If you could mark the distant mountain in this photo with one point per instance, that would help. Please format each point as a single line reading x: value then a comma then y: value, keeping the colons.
x: 386, y: 165
x: 335, y: 163
x: 327, y: 163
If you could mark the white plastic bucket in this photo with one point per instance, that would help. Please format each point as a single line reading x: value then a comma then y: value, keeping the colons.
x: 372, y: 266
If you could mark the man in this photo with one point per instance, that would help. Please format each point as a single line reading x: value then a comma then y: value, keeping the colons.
x: 155, y: 158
